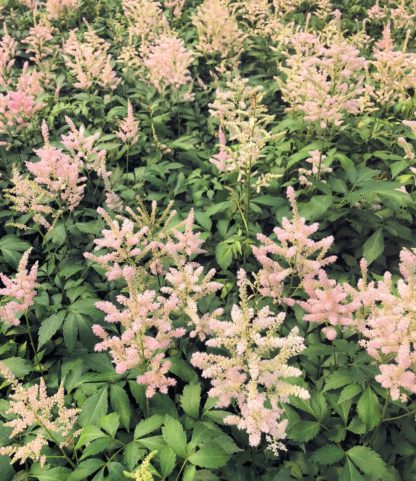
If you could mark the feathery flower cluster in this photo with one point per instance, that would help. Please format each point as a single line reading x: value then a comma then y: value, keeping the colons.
x: 41, y: 418
x: 394, y: 70
x: 38, y: 41
x: 243, y: 116
x: 21, y: 290
x: 176, y: 6
x: 318, y: 168
x: 387, y: 322
x: 32, y: 82
x: 252, y: 373
x: 167, y: 63
x: 57, y: 9
x: 16, y: 110
x: 57, y: 184
x: 295, y: 253
x: 58, y: 172
x: 89, y: 61
x: 323, y: 83
x: 8, y: 47
x: 129, y: 127
x: 146, y: 19
x: 218, y: 30
x: 143, y: 251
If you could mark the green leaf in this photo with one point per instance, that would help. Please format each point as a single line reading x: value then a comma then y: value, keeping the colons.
x: 43, y: 473
x: 368, y: 461
x: 209, y: 457
x: 147, y: 426
x: 152, y: 443
x: 303, y: 431
x: 86, y: 468
x: 94, y: 408
x: 350, y: 473
x: 132, y: 453
x: 191, y: 399
x: 349, y: 392
x: 368, y: 408
x: 224, y: 254
x: 121, y: 404
x: 18, y: 366
x: 189, y: 473
x: 167, y: 460
x: 328, y: 455
x: 374, y: 246
x: 110, y: 423
x: 88, y: 434
x: 182, y: 369
x: 174, y: 436
x: 11, y: 248
x: 50, y: 326
x: 337, y: 379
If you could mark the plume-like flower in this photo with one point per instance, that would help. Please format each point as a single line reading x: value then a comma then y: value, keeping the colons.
x: 21, y: 290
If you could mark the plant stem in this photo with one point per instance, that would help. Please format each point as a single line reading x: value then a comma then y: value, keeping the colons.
x: 33, y: 346
x: 399, y: 417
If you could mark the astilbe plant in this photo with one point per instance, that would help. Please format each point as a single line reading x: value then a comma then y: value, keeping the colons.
x: 251, y: 368
x: 39, y: 42
x: 386, y: 320
x: 39, y: 418
x: 58, y: 9
x: 18, y: 292
x: 394, y: 70
x: 128, y: 127
x: 218, y: 30
x: 324, y: 83
x: 146, y: 19
x: 167, y: 62
x: 152, y: 256
x: 89, y: 61
x: 293, y: 253
x: 8, y: 48
x: 57, y: 185
x: 17, y: 109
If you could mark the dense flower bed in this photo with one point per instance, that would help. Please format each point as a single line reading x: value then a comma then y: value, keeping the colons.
x: 208, y: 269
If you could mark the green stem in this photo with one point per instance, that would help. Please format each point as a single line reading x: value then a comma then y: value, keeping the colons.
x: 33, y: 345
x: 182, y: 468
x: 399, y: 417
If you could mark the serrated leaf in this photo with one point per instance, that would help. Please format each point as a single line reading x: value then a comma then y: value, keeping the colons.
x: 350, y: 473
x: 368, y: 408
x: 94, y: 409
x: 368, y: 461
x: 18, y: 366
x: 349, y: 392
x: 110, y: 423
x: 336, y: 380
x: 328, y: 455
x: 303, y: 431
x: 46, y: 474
x: 167, y: 460
x: 132, y: 453
x: 224, y: 254
x: 147, y: 426
x: 121, y: 404
x: 209, y: 457
x: 191, y: 399
x: 374, y: 246
x: 174, y: 436
x: 88, y: 434
x: 50, y: 326
x: 84, y: 469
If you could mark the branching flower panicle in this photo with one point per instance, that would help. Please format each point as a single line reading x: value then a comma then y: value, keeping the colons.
x: 254, y: 369
x: 21, y: 289
x: 45, y: 417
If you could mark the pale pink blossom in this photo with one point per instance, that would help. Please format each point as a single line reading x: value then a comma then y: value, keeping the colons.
x: 167, y: 63
x: 21, y: 290
x: 89, y: 61
x: 128, y: 127
x: 251, y: 369
x: 45, y: 417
